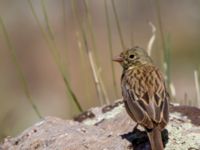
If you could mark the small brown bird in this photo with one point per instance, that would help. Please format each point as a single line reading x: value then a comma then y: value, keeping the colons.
x: 144, y: 93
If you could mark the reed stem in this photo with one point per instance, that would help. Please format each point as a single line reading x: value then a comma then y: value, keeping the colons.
x: 89, y: 25
x: 88, y: 51
x: 196, y: 80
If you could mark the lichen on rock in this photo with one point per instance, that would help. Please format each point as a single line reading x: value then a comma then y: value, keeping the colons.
x: 107, y: 128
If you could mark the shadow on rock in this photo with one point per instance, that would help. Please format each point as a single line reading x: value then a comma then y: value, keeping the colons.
x: 139, y: 139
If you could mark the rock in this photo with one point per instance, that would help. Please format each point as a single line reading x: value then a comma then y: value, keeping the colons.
x: 107, y: 128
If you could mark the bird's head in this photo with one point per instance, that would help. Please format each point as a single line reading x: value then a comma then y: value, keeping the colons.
x: 133, y: 57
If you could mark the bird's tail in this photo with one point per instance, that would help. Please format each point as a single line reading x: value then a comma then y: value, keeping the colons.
x: 155, y: 139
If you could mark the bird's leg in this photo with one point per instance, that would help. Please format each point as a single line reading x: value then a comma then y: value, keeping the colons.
x: 135, y: 127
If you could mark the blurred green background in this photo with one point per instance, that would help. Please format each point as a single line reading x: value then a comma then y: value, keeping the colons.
x: 180, y: 23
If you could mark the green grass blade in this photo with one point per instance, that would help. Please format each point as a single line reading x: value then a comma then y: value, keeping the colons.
x: 110, y: 46
x: 89, y: 23
x: 165, y: 46
x: 118, y: 25
x: 55, y: 52
x: 130, y: 7
x: 65, y: 36
x: 196, y: 79
x: 160, y: 25
x: 167, y: 59
x: 19, y: 70
x: 50, y: 32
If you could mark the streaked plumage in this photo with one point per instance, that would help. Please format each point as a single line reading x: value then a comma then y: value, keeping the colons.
x: 144, y: 93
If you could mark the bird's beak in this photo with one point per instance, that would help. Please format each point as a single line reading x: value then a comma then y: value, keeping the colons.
x: 118, y: 59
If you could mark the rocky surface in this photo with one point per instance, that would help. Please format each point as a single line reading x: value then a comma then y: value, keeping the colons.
x: 107, y: 128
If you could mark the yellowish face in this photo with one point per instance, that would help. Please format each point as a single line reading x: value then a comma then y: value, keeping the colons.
x: 133, y: 57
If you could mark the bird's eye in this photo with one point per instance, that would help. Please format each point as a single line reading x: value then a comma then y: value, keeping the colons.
x: 131, y: 56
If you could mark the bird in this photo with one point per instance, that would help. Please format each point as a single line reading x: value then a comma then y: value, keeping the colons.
x: 144, y: 93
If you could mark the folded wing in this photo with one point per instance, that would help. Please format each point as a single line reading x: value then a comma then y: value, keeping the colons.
x: 144, y: 91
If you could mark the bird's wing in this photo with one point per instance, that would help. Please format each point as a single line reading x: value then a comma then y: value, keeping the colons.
x: 146, y: 95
